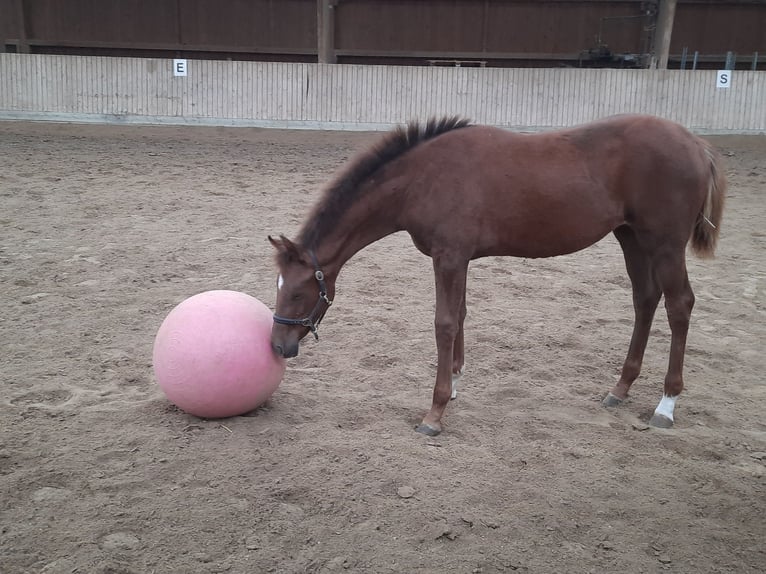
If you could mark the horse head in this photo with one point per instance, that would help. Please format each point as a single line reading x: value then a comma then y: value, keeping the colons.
x: 303, y: 296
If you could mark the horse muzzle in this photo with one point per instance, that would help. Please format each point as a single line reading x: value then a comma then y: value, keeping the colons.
x: 284, y: 350
x: 285, y: 342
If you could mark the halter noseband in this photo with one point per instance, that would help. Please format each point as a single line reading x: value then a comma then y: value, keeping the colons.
x: 316, y: 315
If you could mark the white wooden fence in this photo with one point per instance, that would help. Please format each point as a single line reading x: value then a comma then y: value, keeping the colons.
x: 138, y: 90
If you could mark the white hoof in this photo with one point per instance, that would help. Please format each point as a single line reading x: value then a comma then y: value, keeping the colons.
x: 664, y: 411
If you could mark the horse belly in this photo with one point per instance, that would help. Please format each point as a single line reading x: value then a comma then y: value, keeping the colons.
x: 546, y: 227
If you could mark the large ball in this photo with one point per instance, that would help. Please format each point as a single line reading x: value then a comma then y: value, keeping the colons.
x: 212, y: 354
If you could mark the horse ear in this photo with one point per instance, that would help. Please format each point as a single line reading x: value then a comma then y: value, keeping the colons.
x: 288, y: 249
x: 277, y: 243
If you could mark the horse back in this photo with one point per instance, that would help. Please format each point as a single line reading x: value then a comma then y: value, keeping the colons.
x: 545, y: 194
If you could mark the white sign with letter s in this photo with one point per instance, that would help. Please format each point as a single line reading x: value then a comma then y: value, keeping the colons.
x: 724, y: 79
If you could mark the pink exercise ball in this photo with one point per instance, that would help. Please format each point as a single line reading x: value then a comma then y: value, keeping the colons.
x: 212, y: 355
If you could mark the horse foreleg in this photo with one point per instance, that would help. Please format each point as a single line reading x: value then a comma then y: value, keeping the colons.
x: 450, y: 278
x: 458, y: 351
x: 679, y: 301
x: 646, y: 296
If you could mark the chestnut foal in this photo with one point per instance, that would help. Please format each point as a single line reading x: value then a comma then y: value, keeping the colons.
x: 465, y: 191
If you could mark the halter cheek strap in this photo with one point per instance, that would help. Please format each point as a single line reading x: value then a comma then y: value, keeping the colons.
x: 317, y: 313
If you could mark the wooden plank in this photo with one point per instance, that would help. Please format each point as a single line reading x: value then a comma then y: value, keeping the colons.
x: 169, y: 47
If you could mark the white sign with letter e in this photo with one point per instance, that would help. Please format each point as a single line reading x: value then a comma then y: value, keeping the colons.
x: 724, y: 79
x: 179, y: 68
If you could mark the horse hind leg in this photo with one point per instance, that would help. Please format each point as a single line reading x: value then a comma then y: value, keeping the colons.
x: 646, y: 297
x: 679, y: 302
x: 456, y: 376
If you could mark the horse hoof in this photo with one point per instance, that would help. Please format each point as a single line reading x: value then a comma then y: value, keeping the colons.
x: 611, y: 400
x: 661, y: 422
x: 428, y: 430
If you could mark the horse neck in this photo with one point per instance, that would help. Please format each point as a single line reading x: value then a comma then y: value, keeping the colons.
x: 373, y: 216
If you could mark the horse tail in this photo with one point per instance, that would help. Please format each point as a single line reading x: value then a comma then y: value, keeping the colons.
x: 708, y: 224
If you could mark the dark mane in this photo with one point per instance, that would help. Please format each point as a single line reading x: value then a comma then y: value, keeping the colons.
x: 345, y: 189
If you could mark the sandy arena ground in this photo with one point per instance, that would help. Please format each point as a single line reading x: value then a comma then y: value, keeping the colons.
x: 105, y: 229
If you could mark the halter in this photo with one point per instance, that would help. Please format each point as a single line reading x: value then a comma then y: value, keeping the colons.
x: 316, y: 315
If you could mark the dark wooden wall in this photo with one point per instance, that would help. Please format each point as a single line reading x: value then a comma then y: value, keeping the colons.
x: 494, y: 32
x: 494, y: 27
x: 248, y: 29
x: 718, y: 26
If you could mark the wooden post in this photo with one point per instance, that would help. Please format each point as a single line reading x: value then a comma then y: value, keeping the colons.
x: 326, y: 31
x: 484, y: 26
x: 179, y: 28
x: 23, y: 46
x: 662, y: 33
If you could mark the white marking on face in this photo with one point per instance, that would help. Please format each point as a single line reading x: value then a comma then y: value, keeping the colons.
x: 280, y: 282
x: 666, y: 406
